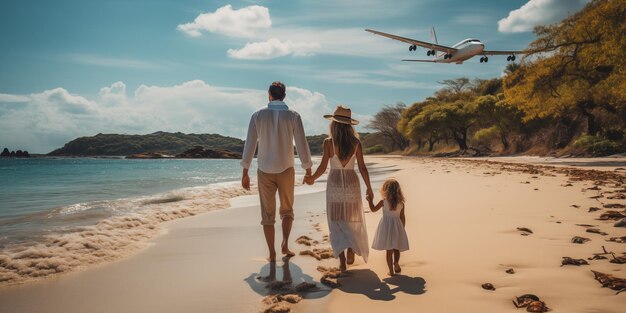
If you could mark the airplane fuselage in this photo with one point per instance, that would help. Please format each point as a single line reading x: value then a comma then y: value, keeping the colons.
x: 466, y: 49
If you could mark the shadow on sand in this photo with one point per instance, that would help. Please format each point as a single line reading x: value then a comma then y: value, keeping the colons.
x: 289, y: 273
x: 367, y: 283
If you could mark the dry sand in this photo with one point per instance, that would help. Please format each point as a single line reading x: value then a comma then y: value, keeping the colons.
x: 461, y: 220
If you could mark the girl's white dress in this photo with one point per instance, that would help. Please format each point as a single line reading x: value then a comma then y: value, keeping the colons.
x: 390, y: 233
x: 344, y: 208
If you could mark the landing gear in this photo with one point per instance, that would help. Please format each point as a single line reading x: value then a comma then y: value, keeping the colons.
x: 447, y: 56
x: 430, y: 52
x: 484, y: 59
x: 510, y: 58
x: 412, y: 48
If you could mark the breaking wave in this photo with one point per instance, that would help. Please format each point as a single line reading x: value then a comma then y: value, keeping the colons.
x: 119, y: 227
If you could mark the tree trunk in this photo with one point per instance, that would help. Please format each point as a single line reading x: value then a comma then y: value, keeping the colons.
x: 505, y: 141
x: 431, y: 144
x: 420, y: 144
x: 461, y: 139
x: 592, y: 126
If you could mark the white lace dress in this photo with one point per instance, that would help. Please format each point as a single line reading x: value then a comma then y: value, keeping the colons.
x: 390, y: 233
x: 344, y: 208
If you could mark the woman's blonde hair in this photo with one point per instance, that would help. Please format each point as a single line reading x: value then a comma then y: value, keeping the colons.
x: 345, y: 138
x: 393, y: 193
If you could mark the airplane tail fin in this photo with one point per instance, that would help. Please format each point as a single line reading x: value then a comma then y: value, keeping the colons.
x: 433, y: 37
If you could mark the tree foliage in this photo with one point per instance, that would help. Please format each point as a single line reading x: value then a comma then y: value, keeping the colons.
x: 568, y: 92
x: 386, y: 123
x: 575, y: 68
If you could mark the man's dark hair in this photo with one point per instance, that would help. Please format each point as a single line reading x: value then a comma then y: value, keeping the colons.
x: 277, y: 91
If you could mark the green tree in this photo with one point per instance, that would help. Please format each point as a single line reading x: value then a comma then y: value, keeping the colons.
x: 386, y: 122
x: 575, y: 68
x: 492, y: 111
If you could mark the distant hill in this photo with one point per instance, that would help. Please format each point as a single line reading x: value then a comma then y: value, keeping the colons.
x: 169, y: 143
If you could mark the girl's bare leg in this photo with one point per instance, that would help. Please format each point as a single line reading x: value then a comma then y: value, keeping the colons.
x: 396, y: 261
x: 350, y: 256
x: 390, y: 262
x: 342, y: 261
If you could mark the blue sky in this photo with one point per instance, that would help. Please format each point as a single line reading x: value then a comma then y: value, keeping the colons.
x: 74, y: 68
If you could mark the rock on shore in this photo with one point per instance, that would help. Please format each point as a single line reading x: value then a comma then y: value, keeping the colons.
x: 14, y: 154
x: 199, y: 152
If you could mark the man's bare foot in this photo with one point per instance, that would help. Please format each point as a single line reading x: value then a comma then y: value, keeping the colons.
x: 350, y: 257
x: 391, y: 274
x: 396, y: 268
x: 272, y: 257
x: 287, y: 252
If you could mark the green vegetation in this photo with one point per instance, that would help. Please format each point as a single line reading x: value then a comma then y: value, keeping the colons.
x: 568, y: 95
x: 170, y: 143
x: 375, y: 149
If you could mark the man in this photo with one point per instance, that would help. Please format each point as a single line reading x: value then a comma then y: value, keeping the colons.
x: 275, y: 128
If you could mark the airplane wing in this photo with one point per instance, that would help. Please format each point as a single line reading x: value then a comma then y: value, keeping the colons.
x: 424, y: 44
x: 492, y: 52
x: 432, y: 61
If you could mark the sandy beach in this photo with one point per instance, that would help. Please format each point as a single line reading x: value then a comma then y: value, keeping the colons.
x: 462, y: 220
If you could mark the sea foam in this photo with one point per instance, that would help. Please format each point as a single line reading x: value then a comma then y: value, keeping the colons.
x: 133, y: 222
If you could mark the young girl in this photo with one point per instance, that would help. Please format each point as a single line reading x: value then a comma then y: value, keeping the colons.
x: 390, y: 234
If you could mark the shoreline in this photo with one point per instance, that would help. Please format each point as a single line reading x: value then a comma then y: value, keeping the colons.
x: 109, y: 239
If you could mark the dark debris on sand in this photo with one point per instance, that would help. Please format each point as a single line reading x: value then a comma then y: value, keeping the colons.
x: 571, y: 261
x: 596, y: 231
x: 610, y: 281
x: 612, y: 215
x: 531, y: 302
x: 621, y: 239
x: 580, y: 240
x: 488, y: 286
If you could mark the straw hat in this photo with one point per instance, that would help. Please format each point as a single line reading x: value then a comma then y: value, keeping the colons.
x: 342, y: 115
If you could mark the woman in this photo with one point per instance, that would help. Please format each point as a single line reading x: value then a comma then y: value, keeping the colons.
x: 343, y: 190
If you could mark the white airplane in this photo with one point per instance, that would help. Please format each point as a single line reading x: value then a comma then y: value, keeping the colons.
x: 458, y: 53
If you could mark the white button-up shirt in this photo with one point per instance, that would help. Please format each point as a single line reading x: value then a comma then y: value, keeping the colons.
x: 276, y: 128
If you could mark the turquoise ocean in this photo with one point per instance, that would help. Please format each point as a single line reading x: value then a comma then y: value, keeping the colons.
x: 39, y: 196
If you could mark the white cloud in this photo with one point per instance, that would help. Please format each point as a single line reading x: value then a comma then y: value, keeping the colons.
x: 45, y: 121
x: 265, y: 42
x: 244, y: 22
x: 100, y: 60
x: 273, y: 48
x: 12, y: 98
x: 538, y: 12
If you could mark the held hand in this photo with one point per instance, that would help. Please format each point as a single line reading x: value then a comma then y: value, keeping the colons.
x: 245, y: 181
x: 369, y: 194
x: 308, y: 179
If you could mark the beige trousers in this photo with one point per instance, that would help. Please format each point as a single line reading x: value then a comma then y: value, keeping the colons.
x: 268, y: 185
